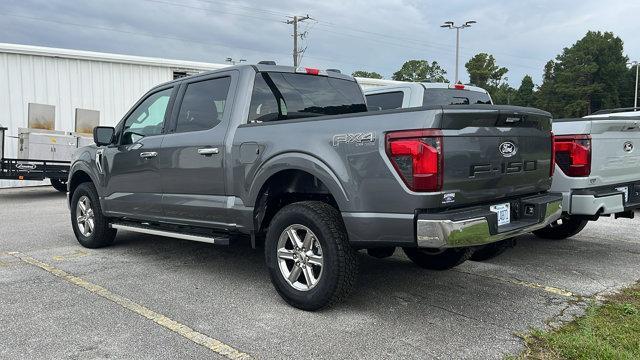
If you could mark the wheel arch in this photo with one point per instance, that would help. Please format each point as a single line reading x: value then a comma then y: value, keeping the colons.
x: 80, y: 174
x: 293, y: 177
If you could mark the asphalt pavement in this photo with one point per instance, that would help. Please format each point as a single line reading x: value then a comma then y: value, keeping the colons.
x: 149, y: 297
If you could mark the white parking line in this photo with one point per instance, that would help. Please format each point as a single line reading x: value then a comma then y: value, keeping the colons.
x: 210, y: 343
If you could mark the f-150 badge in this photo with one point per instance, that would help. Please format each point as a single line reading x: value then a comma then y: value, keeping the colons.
x: 355, y: 138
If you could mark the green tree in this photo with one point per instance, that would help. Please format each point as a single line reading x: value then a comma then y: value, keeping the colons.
x: 421, y: 71
x: 628, y: 87
x: 366, y: 74
x: 525, y: 94
x: 503, y: 94
x: 547, y: 97
x: 586, y: 77
x: 484, y: 72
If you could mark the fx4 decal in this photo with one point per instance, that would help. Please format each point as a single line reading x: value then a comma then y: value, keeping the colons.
x: 355, y: 138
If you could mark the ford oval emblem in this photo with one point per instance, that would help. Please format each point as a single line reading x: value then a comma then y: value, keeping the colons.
x: 508, y: 149
x: 628, y: 146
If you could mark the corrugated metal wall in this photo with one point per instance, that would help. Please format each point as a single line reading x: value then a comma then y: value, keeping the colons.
x: 109, y: 87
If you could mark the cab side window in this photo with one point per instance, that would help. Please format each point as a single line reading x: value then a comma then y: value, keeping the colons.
x: 203, y: 105
x: 147, y: 119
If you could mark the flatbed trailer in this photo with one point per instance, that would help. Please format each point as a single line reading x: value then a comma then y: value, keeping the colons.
x: 57, y: 171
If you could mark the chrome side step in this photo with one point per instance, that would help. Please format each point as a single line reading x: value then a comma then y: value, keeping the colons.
x: 172, y: 234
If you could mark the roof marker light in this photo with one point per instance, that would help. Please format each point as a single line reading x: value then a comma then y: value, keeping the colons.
x: 312, y: 71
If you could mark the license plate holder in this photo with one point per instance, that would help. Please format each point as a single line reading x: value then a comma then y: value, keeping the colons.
x: 503, y: 212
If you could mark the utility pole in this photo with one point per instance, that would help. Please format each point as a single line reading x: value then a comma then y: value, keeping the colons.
x: 451, y: 25
x: 295, y: 20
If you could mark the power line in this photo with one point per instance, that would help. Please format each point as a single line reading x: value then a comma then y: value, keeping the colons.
x: 327, y: 24
x: 173, y: 38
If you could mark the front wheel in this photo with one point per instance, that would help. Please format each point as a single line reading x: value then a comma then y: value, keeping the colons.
x: 310, y: 260
x: 563, y: 228
x: 438, y: 259
x: 59, y: 184
x: 89, y: 224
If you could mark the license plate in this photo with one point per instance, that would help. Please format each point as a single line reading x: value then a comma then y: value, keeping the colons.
x: 625, y: 191
x: 504, y: 213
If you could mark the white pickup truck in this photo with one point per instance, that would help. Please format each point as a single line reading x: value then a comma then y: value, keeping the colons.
x: 597, y: 169
x: 597, y: 157
x: 399, y: 94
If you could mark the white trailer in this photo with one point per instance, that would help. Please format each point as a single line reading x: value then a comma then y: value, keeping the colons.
x: 67, y: 89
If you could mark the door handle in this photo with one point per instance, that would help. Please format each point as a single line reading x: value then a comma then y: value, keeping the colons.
x: 148, y: 154
x: 208, y: 151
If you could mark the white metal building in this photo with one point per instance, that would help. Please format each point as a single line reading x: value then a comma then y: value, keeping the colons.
x: 73, y: 81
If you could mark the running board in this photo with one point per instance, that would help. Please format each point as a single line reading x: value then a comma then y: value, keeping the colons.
x: 220, y: 240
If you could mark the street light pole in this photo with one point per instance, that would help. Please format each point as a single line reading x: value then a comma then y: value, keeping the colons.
x: 451, y: 25
x: 635, y: 99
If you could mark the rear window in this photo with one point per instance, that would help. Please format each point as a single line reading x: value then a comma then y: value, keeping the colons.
x: 282, y: 96
x: 384, y: 101
x: 454, y: 97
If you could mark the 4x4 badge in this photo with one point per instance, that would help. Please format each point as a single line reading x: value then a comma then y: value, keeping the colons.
x: 508, y: 149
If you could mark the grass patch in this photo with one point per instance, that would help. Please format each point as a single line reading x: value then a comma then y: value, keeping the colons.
x: 607, y: 331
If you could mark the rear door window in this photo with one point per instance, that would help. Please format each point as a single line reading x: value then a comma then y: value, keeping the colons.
x: 203, y: 105
x: 282, y: 96
x: 384, y: 101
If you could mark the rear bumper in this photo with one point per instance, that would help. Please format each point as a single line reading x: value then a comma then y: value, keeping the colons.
x: 602, y: 200
x: 469, y: 226
x: 478, y: 226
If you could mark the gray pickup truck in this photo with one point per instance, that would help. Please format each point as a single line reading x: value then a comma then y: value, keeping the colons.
x: 292, y: 159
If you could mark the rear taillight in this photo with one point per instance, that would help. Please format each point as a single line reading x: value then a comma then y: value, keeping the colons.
x: 553, y: 155
x: 573, y: 154
x: 417, y: 157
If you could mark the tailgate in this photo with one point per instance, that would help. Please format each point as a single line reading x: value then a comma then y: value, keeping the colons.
x: 497, y: 153
x: 615, y: 154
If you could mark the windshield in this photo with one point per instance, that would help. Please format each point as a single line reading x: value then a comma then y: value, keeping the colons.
x: 282, y: 96
x: 440, y: 96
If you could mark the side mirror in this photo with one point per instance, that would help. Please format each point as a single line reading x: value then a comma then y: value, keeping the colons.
x: 103, y: 135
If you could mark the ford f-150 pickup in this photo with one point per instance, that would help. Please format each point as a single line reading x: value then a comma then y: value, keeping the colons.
x: 292, y: 159
x: 598, y: 170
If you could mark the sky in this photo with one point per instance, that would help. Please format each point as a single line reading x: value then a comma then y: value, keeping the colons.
x: 373, y: 35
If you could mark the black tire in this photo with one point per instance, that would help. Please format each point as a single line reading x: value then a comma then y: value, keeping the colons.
x: 490, y: 251
x: 101, y: 235
x: 382, y: 252
x: 340, y: 262
x: 563, y: 228
x: 60, y: 185
x: 438, y: 259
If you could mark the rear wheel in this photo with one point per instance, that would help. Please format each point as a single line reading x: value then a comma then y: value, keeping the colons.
x: 90, y: 226
x: 310, y: 261
x: 563, y: 228
x: 438, y: 259
x: 490, y: 251
x: 59, y: 184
